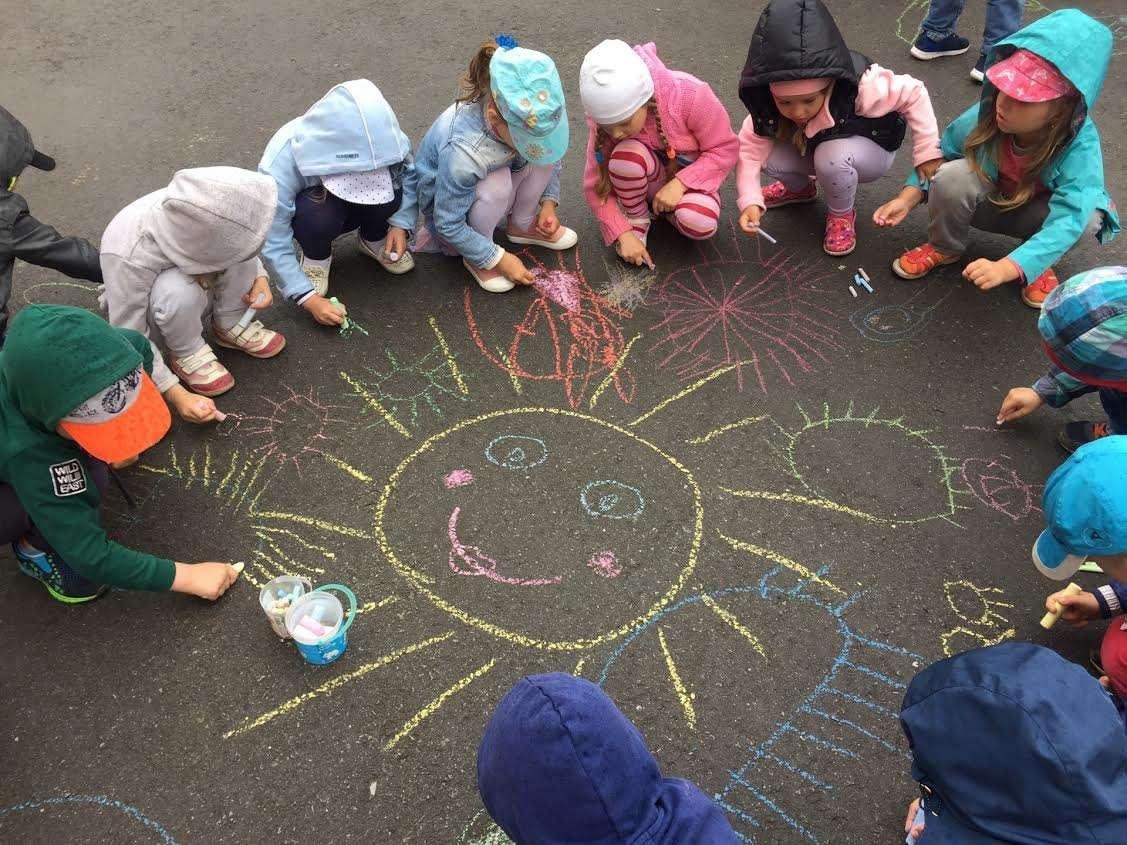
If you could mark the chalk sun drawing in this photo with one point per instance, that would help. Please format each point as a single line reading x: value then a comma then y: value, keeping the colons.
x: 411, y: 392
x: 810, y: 445
x: 230, y: 489
x: 577, y: 327
x: 295, y: 430
x: 762, y: 315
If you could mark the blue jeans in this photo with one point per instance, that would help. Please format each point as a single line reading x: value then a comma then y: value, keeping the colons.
x: 1115, y: 405
x: 1003, y: 18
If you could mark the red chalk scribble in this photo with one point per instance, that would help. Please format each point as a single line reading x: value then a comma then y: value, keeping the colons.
x: 764, y: 314
x: 579, y: 327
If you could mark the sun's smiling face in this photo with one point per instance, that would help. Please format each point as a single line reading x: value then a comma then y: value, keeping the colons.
x: 599, y: 526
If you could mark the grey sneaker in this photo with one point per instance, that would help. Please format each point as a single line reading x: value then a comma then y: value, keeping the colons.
x: 318, y: 277
x: 403, y: 264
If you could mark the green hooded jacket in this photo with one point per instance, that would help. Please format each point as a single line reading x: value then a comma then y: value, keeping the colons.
x: 1080, y: 47
x: 55, y: 358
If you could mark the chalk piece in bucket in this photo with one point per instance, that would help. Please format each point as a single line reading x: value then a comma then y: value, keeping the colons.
x: 1050, y: 618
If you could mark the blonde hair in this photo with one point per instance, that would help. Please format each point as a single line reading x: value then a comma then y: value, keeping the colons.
x: 984, y: 140
x: 790, y: 131
x: 474, y: 83
x: 604, y: 144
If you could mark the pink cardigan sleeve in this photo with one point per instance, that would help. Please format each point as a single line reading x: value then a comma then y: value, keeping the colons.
x: 881, y: 91
x: 710, y: 125
x: 754, y: 150
x: 607, y: 211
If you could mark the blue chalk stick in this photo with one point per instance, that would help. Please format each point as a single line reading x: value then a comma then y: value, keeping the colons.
x: 857, y: 278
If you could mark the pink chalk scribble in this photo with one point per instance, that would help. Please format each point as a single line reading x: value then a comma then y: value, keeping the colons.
x: 470, y: 560
x: 560, y: 286
x: 457, y: 478
x: 605, y: 564
x: 998, y: 486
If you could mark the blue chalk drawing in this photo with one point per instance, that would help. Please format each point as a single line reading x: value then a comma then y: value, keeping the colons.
x: 97, y: 801
x: 747, y: 795
x: 895, y: 323
x: 518, y: 452
x: 612, y: 500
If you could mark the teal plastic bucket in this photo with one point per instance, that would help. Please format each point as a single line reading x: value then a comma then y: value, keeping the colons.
x: 319, y: 625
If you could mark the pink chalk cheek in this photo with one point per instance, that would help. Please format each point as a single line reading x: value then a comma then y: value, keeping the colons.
x: 457, y: 478
x: 605, y: 564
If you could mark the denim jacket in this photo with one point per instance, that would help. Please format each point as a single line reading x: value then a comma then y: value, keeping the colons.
x: 457, y: 152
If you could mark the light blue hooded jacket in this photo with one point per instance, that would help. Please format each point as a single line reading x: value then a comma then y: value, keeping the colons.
x: 1080, y: 47
x: 349, y: 130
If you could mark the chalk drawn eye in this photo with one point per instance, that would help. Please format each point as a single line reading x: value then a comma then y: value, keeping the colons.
x: 612, y: 499
x: 516, y: 452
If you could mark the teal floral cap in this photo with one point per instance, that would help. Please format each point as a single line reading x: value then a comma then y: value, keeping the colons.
x: 526, y: 87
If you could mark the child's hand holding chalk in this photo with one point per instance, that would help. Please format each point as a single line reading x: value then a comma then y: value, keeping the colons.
x: 1073, y: 604
x: 395, y: 244
x: 259, y: 295
x: 1018, y: 403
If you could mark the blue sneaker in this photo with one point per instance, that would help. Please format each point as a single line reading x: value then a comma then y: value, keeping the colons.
x: 926, y: 49
x: 62, y: 582
x: 978, y: 72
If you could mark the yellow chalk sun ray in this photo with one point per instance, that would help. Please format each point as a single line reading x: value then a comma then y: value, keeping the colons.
x: 336, y: 683
x: 679, y: 688
x: 237, y: 483
x: 436, y: 703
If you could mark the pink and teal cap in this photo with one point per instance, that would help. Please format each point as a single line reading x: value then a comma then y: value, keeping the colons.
x: 527, y: 89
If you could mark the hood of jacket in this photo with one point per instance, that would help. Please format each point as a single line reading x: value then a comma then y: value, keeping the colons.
x: 795, y: 39
x: 349, y: 130
x: 1017, y: 744
x: 1077, y: 44
x: 559, y: 763
x: 210, y: 218
x: 55, y: 357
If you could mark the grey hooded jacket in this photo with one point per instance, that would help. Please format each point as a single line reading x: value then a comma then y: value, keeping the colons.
x: 21, y: 235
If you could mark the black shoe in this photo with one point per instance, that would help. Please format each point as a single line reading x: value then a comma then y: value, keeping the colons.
x: 927, y: 49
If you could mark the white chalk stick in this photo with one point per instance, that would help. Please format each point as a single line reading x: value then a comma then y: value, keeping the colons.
x: 764, y: 234
x: 238, y: 567
x: 853, y: 290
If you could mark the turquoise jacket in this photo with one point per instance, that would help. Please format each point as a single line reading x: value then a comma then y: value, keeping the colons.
x: 1080, y: 47
x: 349, y: 130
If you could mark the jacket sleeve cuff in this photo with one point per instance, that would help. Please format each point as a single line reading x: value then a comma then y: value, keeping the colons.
x: 498, y: 254
x: 1109, y: 601
x: 749, y: 199
x: 302, y: 298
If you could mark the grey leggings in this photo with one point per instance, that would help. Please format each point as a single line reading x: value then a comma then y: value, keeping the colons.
x: 840, y: 164
x: 958, y: 200
x: 177, y: 304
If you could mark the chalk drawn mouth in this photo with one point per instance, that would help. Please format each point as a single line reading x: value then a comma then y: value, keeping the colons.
x: 472, y: 561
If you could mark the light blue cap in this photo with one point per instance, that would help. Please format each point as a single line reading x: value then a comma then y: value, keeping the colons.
x: 527, y: 89
x: 1085, y: 505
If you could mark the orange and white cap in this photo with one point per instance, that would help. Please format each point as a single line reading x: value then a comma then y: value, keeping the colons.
x: 120, y: 421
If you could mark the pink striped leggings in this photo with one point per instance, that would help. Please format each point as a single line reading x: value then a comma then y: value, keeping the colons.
x: 637, y: 174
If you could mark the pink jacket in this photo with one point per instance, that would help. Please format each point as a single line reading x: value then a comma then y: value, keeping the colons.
x: 695, y: 123
x: 879, y: 92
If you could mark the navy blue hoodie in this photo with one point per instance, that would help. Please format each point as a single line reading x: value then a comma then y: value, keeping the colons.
x: 560, y: 764
x: 1014, y: 744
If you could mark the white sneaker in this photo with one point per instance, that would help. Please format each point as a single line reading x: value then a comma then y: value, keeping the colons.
x: 564, y: 238
x: 255, y: 340
x: 318, y: 277
x: 404, y: 264
x: 490, y: 280
x: 202, y: 372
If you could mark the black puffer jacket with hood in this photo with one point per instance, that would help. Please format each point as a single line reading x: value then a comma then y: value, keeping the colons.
x: 798, y: 39
x: 21, y: 235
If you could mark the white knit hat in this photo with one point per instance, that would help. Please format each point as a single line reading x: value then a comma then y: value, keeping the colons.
x: 614, y: 82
